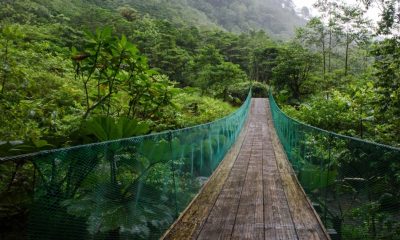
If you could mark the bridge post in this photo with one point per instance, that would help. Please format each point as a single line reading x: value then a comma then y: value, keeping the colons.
x: 170, y: 138
x: 330, y: 139
x: 211, y: 151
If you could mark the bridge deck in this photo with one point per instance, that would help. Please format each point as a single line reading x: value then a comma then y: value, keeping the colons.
x: 254, y: 193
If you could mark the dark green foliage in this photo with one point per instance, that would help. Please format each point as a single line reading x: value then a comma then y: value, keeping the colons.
x: 293, y: 68
x: 387, y: 66
x: 15, y: 198
x: 106, y: 128
x: 259, y: 90
x: 219, y: 77
x: 119, y: 189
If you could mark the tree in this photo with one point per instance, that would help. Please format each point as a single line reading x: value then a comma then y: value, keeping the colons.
x: 314, y: 35
x: 354, y: 26
x: 328, y: 9
x: 340, y: 29
x: 389, y: 23
x: 294, y: 65
x: 110, y: 65
x: 128, y: 13
x: 262, y: 63
x: 387, y: 71
x: 220, y: 78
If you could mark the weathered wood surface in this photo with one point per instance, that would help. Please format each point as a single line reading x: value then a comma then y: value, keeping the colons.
x: 253, y: 194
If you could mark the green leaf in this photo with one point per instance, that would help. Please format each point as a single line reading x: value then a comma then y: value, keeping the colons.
x: 123, y: 41
x: 107, y: 128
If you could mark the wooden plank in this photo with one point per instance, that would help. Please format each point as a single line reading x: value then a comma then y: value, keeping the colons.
x: 228, y: 196
x: 278, y: 221
x: 221, y: 220
x: 249, y: 222
x: 222, y: 217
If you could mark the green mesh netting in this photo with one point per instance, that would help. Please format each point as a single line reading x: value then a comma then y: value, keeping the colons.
x: 126, y: 189
x: 354, y: 184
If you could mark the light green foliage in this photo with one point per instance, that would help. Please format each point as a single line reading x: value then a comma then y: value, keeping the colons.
x: 341, y: 36
x: 351, y: 112
x: 334, y: 114
x: 34, y: 88
x: 10, y: 36
x: 262, y: 63
x: 195, y: 109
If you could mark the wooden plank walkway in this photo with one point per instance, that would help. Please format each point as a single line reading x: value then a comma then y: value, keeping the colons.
x: 253, y: 194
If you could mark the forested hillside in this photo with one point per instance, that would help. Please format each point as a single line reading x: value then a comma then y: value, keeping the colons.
x: 276, y: 17
x: 52, y: 83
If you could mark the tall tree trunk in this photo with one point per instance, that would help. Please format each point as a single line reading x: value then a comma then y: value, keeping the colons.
x: 347, y: 55
x: 296, y: 90
x: 324, y: 64
x: 323, y: 58
x: 330, y: 50
x: 361, y: 122
x: 398, y: 11
x: 113, y: 234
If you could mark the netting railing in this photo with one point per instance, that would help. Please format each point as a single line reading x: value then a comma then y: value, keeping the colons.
x: 126, y: 189
x: 353, y: 184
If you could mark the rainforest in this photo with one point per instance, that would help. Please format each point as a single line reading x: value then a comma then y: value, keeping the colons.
x: 86, y: 72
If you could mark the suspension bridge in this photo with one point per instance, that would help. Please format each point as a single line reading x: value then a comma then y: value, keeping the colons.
x: 255, y: 174
x: 254, y: 194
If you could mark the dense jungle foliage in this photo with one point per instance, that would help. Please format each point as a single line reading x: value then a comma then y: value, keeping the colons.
x: 61, y: 65
x: 77, y: 72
